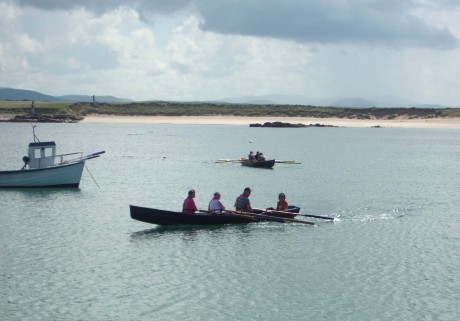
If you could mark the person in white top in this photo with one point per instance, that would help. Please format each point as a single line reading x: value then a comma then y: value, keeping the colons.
x: 215, y: 205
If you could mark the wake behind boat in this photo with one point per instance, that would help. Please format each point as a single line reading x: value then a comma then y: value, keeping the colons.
x: 43, y: 168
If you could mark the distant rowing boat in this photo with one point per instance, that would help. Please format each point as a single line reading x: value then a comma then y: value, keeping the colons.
x: 245, y: 160
x: 258, y: 164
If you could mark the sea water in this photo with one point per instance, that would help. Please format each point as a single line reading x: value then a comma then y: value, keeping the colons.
x: 391, y: 254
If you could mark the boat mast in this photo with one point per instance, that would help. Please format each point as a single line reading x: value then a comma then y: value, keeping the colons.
x: 35, y: 137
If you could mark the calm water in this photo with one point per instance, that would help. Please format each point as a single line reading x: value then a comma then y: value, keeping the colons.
x: 392, y: 255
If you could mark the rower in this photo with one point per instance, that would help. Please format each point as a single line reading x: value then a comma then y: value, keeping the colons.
x: 242, y: 202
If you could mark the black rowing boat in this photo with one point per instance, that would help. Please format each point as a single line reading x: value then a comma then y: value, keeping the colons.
x: 164, y: 217
x: 258, y: 164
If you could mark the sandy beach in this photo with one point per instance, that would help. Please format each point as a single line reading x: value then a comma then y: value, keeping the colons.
x: 232, y: 120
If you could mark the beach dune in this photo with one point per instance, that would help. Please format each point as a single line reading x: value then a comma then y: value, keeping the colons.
x: 235, y: 120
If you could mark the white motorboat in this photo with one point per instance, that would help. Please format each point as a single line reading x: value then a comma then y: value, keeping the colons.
x: 43, y: 168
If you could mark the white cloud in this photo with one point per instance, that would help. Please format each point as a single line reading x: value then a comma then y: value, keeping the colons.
x: 192, y: 55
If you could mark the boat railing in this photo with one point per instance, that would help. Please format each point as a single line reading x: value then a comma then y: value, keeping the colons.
x: 59, y: 158
x: 79, y: 159
x: 62, y: 160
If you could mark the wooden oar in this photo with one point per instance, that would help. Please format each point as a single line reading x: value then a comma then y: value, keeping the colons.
x: 286, y: 162
x: 228, y: 161
x: 298, y: 214
x: 271, y: 218
x: 254, y: 216
x: 250, y: 215
x: 231, y: 213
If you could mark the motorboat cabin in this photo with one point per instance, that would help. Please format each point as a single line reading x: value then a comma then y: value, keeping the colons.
x: 41, y: 155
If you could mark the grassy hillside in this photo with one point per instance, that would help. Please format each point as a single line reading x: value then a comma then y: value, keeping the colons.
x: 161, y: 108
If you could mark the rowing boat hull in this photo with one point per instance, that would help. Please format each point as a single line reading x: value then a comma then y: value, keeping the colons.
x: 56, y: 176
x: 291, y: 212
x: 259, y: 164
x: 167, y: 218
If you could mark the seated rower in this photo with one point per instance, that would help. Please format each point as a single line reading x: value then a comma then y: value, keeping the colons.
x: 189, y: 206
x: 282, y: 204
x: 215, y: 205
x: 242, y: 202
x: 261, y: 157
x: 251, y: 155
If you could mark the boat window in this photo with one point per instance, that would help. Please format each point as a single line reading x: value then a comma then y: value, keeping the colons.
x: 48, y: 152
x: 37, y: 153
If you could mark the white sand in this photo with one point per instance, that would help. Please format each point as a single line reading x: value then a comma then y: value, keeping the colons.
x: 232, y: 120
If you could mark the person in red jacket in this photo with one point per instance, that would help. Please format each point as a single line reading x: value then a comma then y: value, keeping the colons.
x: 189, y: 206
x: 282, y: 204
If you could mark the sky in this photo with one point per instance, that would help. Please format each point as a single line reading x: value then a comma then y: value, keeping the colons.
x: 192, y: 50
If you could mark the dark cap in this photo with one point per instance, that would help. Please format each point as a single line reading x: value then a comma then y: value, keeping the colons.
x: 247, y: 189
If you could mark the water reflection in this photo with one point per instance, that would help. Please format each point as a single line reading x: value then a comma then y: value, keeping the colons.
x: 36, y: 195
x: 189, y: 232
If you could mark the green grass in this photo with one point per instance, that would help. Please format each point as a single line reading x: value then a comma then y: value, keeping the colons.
x: 18, y: 107
x: 162, y: 108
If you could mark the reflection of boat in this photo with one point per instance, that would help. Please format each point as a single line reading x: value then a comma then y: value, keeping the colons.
x: 163, y: 217
x: 43, y: 168
x: 259, y: 164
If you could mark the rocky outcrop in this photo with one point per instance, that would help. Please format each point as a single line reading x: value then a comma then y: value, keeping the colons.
x: 37, y: 118
x: 278, y: 124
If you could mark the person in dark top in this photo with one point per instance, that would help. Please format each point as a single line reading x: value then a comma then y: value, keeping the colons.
x: 242, y: 202
x: 251, y: 155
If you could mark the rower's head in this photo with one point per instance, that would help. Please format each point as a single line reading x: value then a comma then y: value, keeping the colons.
x: 247, y: 191
x: 281, y: 196
x: 217, y: 195
x: 191, y: 193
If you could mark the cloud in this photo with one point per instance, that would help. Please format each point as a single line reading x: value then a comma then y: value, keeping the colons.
x: 377, y: 22
x: 205, y: 50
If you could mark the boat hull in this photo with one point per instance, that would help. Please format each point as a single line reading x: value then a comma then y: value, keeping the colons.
x: 56, y: 176
x: 291, y: 212
x: 167, y: 218
x: 259, y: 164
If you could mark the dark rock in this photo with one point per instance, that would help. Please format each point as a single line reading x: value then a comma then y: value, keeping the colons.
x: 37, y: 118
x: 278, y: 124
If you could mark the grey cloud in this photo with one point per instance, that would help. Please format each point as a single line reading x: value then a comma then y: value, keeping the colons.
x: 154, y: 6
x: 382, y: 22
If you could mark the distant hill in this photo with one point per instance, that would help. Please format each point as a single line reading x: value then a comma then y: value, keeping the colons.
x: 83, y: 98
x: 356, y: 102
x: 270, y: 100
x: 23, y: 94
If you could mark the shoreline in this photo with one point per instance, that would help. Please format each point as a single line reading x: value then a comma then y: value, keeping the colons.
x: 238, y: 120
